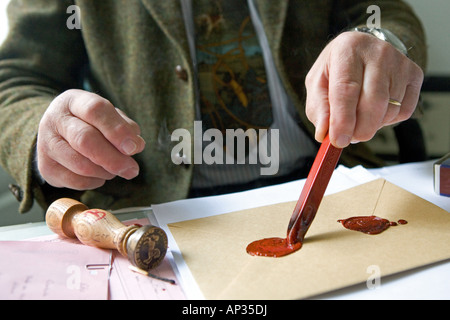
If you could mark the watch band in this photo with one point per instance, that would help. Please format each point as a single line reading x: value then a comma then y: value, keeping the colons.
x: 385, y: 35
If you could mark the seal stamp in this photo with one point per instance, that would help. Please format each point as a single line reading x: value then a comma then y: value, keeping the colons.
x: 146, y: 247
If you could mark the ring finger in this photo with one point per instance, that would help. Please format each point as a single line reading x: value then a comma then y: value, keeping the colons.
x: 61, y: 152
x: 394, y: 104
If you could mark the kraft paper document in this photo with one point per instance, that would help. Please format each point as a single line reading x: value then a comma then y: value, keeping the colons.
x: 332, y: 257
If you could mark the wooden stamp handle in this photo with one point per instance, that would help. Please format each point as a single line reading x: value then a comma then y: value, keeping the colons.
x: 100, y: 228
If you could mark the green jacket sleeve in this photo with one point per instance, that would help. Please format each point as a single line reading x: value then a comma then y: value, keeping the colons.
x: 39, y: 59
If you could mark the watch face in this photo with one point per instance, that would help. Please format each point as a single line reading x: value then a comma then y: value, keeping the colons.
x: 394, y: 40
x: 379, y: 34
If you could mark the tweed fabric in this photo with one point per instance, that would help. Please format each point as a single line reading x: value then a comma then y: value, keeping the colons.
x: 128, y: 51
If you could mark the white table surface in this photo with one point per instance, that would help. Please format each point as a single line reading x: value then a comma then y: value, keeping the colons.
x: 428, y: 282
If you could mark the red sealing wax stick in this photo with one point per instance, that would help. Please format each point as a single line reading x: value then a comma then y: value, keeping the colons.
x: 306, y: 207
x: 313, y: 191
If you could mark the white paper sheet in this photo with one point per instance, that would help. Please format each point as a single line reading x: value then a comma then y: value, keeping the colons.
x: 416, y: 178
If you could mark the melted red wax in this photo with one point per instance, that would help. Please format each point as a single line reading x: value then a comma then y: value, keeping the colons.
x: 279, y: 247
x: 369, y: 224
x: 272, y: 247
x: 306, y: 207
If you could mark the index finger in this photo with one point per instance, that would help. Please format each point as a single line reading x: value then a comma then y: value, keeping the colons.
x: 345, y: 84
x: 120, y: 131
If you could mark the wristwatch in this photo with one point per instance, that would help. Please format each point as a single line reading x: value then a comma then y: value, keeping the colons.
x: 385, y: 35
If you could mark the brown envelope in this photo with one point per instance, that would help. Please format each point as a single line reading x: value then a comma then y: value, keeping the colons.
x: 332, y: 257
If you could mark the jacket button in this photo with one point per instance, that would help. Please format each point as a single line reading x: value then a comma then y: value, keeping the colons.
x: 16, y: 191
x: 181, y: 73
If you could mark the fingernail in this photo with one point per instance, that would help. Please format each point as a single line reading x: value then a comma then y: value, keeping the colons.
x: 129, y: 147
x: 343, y: 141
x: 142, y: 141
x: 129, y: 173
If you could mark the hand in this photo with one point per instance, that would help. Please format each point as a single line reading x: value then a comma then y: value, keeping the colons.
x: 350, y: 84
x: 83, y: 140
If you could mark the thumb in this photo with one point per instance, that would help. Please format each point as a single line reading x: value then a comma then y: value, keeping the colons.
x: 317, y: 101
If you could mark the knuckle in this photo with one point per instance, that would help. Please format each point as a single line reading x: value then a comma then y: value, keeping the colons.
x: 342, y: 115
x: 52, y: 146
x: 82, y: 139
x: 310, y: 113
x: 350, y: 39
x: 309, y: 79
x: 385, y: 50
x: 417, y: 76
x: 345, y: 88
x: 120, y: 129
x: 347, y: 84
x: 82, y: 166
x: 419, y: 73
x: 45, y: 168
x: 96, y: 107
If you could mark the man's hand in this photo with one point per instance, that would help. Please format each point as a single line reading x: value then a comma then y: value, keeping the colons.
x: 83, y: 140
x: 350, y: 84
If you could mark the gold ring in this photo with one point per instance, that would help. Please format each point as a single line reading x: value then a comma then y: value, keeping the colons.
x: 395, y: 102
